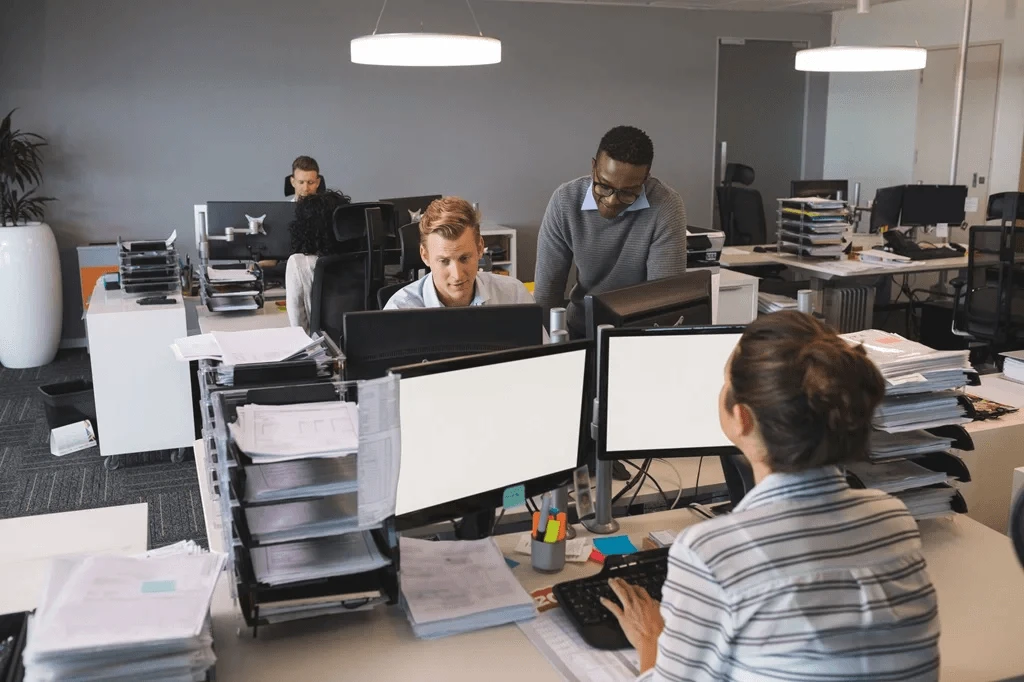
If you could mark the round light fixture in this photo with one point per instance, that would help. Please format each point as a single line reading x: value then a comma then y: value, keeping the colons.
x: 425, y: 49
x: 845, y: 58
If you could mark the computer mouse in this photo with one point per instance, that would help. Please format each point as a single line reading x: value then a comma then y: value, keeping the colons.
x: 760, y: 249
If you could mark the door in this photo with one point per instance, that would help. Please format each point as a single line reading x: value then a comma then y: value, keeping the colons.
x: 761, y: 104
x: 934, y: 137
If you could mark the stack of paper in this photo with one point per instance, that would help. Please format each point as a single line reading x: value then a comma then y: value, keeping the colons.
x: 919, y: 411
x: 124, y: 618
x: 1013, y: 366
x: 906, y: 444
x: 303, y: 520
x: 897, y: 357
x: 280, y: 433
x: 454, y: 587
x: 246, y: 347
x: 773, y: 303
x: 295, y: 609
x: 894, y: 477
x: 926, y: 382
x: 300, y: 478
x: 928, y: 503
x: 317, y: 559
x: 229, y: 275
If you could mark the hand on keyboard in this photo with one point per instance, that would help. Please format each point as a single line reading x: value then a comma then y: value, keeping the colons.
x: 638, y: 614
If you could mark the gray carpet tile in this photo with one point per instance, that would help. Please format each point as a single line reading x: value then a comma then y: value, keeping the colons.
x: 32, y: 481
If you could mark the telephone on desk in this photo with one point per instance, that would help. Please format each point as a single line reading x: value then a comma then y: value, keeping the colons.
x: 901, y: 244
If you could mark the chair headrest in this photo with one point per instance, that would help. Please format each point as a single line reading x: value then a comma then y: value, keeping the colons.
x: 1001, y: 205
x: 738, y: 173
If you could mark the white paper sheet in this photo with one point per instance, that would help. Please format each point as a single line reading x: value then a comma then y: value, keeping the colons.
x: 72, y: 438
x: 228, y: 275
x: 198, y: 347
x: 559, y: 641
x: 282, y: 432
x: 261, y: 345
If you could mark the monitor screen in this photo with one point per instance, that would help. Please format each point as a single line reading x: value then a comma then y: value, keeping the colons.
x: 659, y: 391
x: 933, y: 204
x: 885, y: 209
x: 474, y: 426
x: 408, y: 209
x: 375, y: 341
x: 276, y: 244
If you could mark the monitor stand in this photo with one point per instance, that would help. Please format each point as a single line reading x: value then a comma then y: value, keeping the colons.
x: 475, y: 526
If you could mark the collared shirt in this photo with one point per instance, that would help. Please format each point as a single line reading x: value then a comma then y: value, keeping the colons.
x: 590, y: 203
x: 489, y: 289
x: 805, y: 580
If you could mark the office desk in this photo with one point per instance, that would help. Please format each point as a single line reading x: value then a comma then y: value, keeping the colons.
x: 267, y: 317
x: 818, y: 269
x: 29, y: 542
x: 980, y: 612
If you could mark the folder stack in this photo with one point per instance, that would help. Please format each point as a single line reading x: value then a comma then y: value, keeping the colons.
x: 813, y: 227
x: 773, y: 303
x: 150, y: 266
x: 453, y: 587
x: 124, y: 618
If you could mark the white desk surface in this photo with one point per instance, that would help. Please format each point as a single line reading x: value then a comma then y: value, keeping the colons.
x: 980, y: 611
x: 107, y: 301
x: 268, y: 317
x: 732, y: 257
x: 28, y: 543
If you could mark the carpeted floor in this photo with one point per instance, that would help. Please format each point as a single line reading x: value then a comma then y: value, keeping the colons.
x: 32, y: 481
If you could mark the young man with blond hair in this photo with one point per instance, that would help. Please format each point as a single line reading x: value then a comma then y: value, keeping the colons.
x: 451, y: 246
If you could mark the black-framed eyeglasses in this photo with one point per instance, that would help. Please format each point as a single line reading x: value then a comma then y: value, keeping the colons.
x: 624, y: 196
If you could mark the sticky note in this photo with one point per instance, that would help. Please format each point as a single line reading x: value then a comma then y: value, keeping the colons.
x: 513, y: 496
x: 618, y: 544
x: 156, y: 586
x: 511, y: 563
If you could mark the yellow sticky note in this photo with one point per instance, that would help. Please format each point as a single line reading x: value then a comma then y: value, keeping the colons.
x: 551, y: 533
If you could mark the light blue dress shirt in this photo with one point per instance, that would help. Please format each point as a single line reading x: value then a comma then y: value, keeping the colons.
x: 590, y: 203
x: 489, y: 289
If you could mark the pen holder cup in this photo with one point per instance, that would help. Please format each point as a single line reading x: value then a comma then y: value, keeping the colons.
x: 547, y: 557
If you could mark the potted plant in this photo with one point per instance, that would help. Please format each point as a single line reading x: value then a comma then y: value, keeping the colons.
x: 30, y: 284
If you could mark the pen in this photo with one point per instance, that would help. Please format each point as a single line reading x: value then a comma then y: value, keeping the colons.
x: 545, y: 508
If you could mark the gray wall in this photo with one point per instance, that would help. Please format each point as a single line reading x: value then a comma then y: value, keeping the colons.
x: 152, y: 106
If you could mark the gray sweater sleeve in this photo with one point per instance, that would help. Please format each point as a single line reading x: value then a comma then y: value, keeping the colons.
x: 667, y: 256
x: 554, y: 256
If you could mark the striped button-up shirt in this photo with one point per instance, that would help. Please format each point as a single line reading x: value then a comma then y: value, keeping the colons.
x: 806, y: 580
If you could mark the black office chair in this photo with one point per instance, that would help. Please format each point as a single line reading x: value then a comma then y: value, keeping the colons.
x: 1006, y: 207
x: 290, y: 191
x: 985, y: 305
x: 739, y: 476
x: 740, y: 209
x: 1017, y: 526
x: 409, y: 263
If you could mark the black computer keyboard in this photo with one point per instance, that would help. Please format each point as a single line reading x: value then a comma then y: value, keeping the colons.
x: 581, y: 599
x: 933, y: 253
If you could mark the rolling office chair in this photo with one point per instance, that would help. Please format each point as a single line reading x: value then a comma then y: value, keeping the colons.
x: 739, y: 476
x: 740, y: 209
x: 290, y: 191
x: 409, y: 263
x: 349, y: 280
x: 985, y: 306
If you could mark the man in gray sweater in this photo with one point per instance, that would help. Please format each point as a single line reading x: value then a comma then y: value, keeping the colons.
x: 619, y: 225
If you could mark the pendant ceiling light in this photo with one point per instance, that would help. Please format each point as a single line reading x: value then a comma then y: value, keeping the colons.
x: 425, y: 49
x: 848, y: 58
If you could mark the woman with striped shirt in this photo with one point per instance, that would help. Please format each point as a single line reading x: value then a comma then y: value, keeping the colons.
x: 806, y: 579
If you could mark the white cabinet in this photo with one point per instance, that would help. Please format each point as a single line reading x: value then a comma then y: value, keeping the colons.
x: 737, y: 298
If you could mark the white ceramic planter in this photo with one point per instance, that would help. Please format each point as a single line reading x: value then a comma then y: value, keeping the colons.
x: 31, y: 301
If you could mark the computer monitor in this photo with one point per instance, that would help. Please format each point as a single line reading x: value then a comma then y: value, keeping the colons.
x: 885, y: 209
x: 826, y: 189
x: 407, y: 207
x: 933, y: 204
x: 672, y: 301
x: 658, y: 391
x: 475, y: 426
x: 375, y: 341
x: 276, y: 244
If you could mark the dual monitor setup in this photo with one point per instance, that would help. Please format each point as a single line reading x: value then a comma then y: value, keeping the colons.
x: 486, y: 409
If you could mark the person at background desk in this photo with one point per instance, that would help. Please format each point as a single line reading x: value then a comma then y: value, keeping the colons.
x: 305, y: 177
x: 806, y: 579
x: 620, y: 226
x: 312, y: 234
x: 451, y: 246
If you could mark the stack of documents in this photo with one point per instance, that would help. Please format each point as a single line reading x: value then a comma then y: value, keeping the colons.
x: 929, y: 503
x: 124, y: 618
x: 1013, y: 366
x: 300, y: 478
x: 281, y: 433
x: 454, y: 587
x: 894, y: 477
x: 812, y: 226
x: 304, y: 520
x: 773, y: 303
x: 317, y: 559
x: 906, y: 444
x: 229, y: 275
x: 901, y: 360
x: 920, y: 411
x: 247, y: 347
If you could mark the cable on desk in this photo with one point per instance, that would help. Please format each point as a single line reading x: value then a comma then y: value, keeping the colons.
x: 643, y: 474
x: 629, y: 486
x: 679, y: 482
x: 696, y: 484
x: 497, y: 521
x: 644, y: 468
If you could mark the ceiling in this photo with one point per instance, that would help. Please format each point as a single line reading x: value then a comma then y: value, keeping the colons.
x: 800, y: 6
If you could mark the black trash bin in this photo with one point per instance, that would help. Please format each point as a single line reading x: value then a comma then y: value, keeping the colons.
x: 69, y: 402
